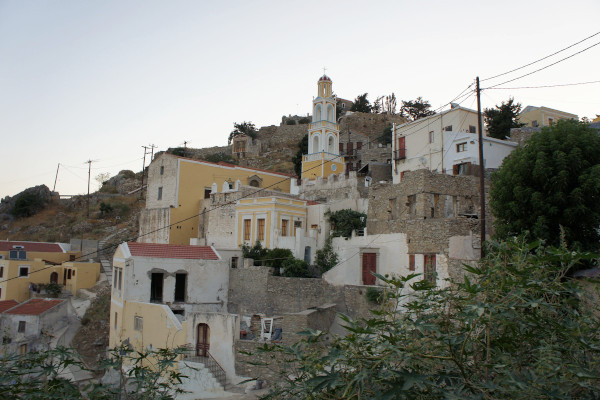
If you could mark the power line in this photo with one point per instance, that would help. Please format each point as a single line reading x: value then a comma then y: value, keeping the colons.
x: 541, y: 59
x: 543, y: 68
x: 545, y: 86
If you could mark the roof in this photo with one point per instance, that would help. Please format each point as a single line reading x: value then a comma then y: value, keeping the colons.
x: 32, y: 246
x: 159, y: 250
x: 224, y: 164
x: 35, y: 306
x: 7, y: 305
x: 325, y: 78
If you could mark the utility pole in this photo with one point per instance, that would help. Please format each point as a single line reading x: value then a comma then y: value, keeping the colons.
x: 185, y: 148
x: 89, y: 162
x: 56, y: 178
x: 143, y: 170
x: 481, y: 169
x: 152, y: 152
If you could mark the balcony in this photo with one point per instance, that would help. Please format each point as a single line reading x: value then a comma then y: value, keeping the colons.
x: 323, y: 124
x: 399, y: 154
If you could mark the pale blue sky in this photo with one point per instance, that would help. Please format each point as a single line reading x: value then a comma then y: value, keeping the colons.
x: 97, y: 80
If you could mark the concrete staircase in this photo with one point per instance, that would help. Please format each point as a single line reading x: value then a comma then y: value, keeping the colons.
x: 105, y: 255
x: 200, y: 381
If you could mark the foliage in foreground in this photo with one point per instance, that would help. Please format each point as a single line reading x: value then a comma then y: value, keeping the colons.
x: 41, y: 375
x: 515, y: 328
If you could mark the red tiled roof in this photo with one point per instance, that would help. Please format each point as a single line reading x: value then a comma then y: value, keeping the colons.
x: 172, y: 251
x: 224, y: 164
x: 312, y: 203
x: 35, y: 306
x: 32, y: 246
x: 7, y: 304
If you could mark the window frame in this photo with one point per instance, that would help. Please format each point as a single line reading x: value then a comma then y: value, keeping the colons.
x: 22, y: 327
x: 24, y: 267
x: 138, y: 323
x: 461, y: 147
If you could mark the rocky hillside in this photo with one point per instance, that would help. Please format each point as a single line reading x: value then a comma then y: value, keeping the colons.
x: 37, y: 214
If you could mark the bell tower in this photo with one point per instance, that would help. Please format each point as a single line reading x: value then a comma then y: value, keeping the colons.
x: 323, y: 158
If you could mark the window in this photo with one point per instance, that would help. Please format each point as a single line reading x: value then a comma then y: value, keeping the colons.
x: 234, y: 262
x: 358, y: 145
x: 17, y: 254
x: 247, y: 224
x: 162, y: 170
x: 138, y: 323
x: 350, y: 148
x: 411, y: 262
x: 429, y: 271
x: 2, y: 272
x: 462, y: 169
x: 207, y: 192
x: 116, y: 319
x: 159, y: 197
x: 21, y: 328
x: 23, y: 348
x: 460, y: 147
x: 117, y: 278
x: 448, y: 128
x: 284, y: 227
x: 472, y: 129
x: 23, y: 271
x: 431, y: 136
x: 68, y: 273
x: 180, y: 280
x: 534, y: 123
x: 156, y: 287
x: 261, y: 229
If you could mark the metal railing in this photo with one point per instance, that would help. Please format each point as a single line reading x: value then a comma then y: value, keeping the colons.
x: 400, y: 154
x: 209, y: 362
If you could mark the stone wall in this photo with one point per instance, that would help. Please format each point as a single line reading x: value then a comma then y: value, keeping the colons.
x: 521, y: 135
x: 370, y: 125
x: 334, y: 188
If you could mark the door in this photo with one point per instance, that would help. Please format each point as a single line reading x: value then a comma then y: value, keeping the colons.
x: 54, y: 277
x: 369, y: 264
x: 203, y: 340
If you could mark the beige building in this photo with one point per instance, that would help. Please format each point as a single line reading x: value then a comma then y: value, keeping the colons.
x: 533, y: 116
x: 179, y: 192
x: 26, y: 266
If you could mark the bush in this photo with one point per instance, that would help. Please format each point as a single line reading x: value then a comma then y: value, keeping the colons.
x: 27, y: 204
x: 326, y: 258
x: 304, y: 120
x: 295, y: 268
x: 275, y: 257
x: 256, y: 252
x: 345, y: 221
x: 374, y: 295
x: 290, y: 122
x: 53, y: 289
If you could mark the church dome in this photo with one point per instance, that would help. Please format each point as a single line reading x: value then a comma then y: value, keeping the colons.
x: 325, y: 78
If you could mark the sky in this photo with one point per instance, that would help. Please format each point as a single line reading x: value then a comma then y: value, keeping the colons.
x: 97, y: 80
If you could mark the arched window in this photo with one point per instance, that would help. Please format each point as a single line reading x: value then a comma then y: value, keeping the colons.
x: 330, y: 145
x: 317, y: 113
x: 330, y: 115
x: 315, y: 147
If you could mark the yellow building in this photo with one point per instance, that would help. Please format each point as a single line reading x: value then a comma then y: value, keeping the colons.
x: 267, y: 218
x: 177, y: 190
x: 25, y: 265
x: 542, y: 116
x: 323, y: 158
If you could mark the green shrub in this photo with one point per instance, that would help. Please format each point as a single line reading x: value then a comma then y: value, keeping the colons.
x: 53, y: 289
x: 295, y: 268
x: 326, y: 258
x: 256, y: 252
x: 27, y: 204
x: 275, y: 257
x: 304, y: 120
x: 290, y: 122
x: 343, y: 222
x: 374, y: 295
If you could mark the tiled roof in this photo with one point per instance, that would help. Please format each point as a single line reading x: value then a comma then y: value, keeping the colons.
x: 32, y: 246
x: 172, y: 251
x: 7, y: 304
x: 35, y: 306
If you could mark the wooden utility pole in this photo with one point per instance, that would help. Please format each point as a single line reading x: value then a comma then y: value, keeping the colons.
x: 143, y: 170
x: 152, y: 152
x: 56, y: 178
x: 481, y: 169
x: 89, y: 162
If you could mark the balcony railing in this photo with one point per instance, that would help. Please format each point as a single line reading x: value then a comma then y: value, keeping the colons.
x: 321, y: 156
x: 209, y: 362
x: 323, y: 124
x: 400, y: 154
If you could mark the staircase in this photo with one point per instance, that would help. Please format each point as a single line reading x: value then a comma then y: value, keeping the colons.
x: 105, y: 254
x: 209, y: 369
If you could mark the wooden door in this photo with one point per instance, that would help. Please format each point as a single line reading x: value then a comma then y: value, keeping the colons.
x: 369, y: 264
x: 203, y: 340
x: 54, y: 277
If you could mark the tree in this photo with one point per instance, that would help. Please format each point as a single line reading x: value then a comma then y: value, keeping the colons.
x: 361, y: 104
x: 102, y: 178
x: 499, y: 120
x: 297, y: 159
x: 390, y: 104
x: 245, y: 128
x: 343, y: 222
x: 386, y: 135
x: 378, y: 106
x: 551, y: 182
x: 513, y: 328
x: 416, y: 109
x: 28, y: 204
x: 326, y: 258
x: 256, y: 252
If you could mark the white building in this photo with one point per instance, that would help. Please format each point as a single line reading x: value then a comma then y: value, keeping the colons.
x: 446, y: 143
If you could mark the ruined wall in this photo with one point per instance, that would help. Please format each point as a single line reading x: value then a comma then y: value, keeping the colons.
x: 371, y: 125
x: 334, y: 188
x: 522, y: 135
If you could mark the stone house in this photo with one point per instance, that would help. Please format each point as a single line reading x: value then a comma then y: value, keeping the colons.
x: 446, y: 143
x: 534, y: 117
x: 243, y: 146
x: 31, y: 326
